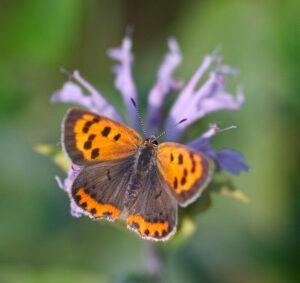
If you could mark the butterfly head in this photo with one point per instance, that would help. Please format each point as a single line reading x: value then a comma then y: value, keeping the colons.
x: 151, y: 142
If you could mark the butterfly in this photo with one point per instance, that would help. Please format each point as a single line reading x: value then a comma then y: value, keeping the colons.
x: 126, y: 176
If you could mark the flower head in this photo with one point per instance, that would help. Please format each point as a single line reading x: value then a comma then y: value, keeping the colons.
x: 192, y: 103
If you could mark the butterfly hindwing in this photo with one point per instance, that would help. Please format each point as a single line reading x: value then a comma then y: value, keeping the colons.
x: 89, y: 137
x: 154, y: 213
x: 99, y: 189
x: 186, y: 171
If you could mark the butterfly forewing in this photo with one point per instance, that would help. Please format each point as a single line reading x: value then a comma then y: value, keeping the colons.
x: 89, y: 137
x: 186, y: 171
x: 99, y: 189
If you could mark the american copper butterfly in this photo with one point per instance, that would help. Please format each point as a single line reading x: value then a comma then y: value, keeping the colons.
x: 124, y: 175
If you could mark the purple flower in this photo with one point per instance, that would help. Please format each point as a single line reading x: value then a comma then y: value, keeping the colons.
x: 124, y: 82
x: 191, y: 104
x: 232, y: 161
x: 164, y: 85
x: 72, y: 93
x: 229, y: 159
x: 65, y: 185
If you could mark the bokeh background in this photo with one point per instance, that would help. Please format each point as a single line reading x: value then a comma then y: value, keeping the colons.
x: 234, y: 242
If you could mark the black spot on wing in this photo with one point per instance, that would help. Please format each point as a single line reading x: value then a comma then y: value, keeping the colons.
x: 175, y: 184
x: 180, y: 158
x: 83, y: 205
x: 193, y: 169
x: 108, y: 175
x: 87, y: 145
x: 106, y: 131
x: 135, y: 225
x: 116, y: 137
x: 91, y: 137
x: 77, y: 198
x: 95, y: 153
x: 87, y: 126
x: 171, y: 157
x: 158, y: 195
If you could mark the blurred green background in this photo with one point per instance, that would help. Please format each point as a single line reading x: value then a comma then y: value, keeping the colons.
x: 41, y: 242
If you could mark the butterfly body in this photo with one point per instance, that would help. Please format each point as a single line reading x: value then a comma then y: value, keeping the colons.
x: 144, y: 162
x: 124, y: 175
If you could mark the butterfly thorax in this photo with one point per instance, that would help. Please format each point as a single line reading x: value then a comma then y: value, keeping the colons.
x: 146, y: 155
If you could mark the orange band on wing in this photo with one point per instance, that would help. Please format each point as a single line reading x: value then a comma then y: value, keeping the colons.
x: 94, y: 207
x: 148, y: 229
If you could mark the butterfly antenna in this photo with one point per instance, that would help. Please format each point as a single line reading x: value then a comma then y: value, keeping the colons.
x: 167, y: 130
x: 142, y: 124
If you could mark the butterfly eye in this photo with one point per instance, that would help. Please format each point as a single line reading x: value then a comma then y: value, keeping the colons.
x: 155, y: 142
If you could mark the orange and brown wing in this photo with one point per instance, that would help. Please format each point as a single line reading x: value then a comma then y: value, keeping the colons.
x: 99, y: 189
x: 154, y: 213
x: 186, y: 171
x: 89, y: 137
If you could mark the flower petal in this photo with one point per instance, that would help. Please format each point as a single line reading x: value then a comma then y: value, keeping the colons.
x: 65, y: 185
x: 72, y: 93
x: 164, y: 85
x: 229, y: 159
x: 185, y: 95
x: 75, y: 210
x: 202, y: 143
x: 182, y: 103
x: 124, y: 81
x: 210, y: 97
x: 232, y: 161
